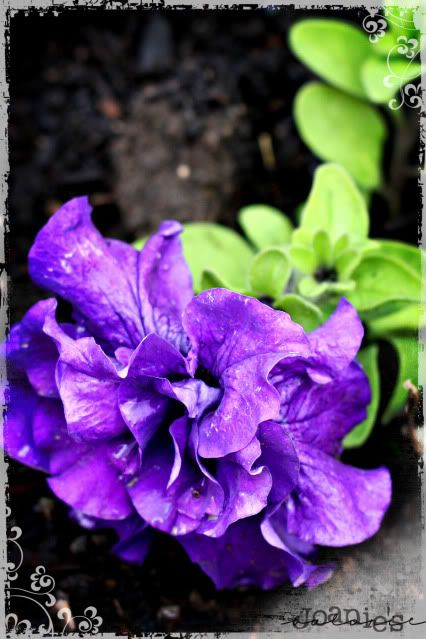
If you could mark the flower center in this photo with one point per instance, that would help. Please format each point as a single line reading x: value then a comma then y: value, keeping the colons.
x: 206, y: 377
x: 326, y: 274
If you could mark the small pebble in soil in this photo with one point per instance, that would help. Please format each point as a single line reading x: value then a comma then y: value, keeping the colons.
x: 168, y: 613
x: 183, y: 171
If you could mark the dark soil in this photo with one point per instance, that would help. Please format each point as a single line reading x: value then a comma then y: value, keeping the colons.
x: 187, y: 115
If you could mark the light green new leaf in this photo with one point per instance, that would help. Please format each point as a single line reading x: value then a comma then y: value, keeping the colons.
x: 333, y: 49
x: 269, y: 273
x: 368, y: 358
x: 336, y: 205
x: 396, y: 316
x: 380, y: 83
x: 406, y: 319
x: 140, y: 243
x: 410, y: 255
x: 265, y: 226
x: 209, y: 279
x: 407, y: 351
x: 382, y: 279
x: 341, y: 245
x: 301, y: 311
x: 322, y: 247
x: 387, y: 44
x: 303, y: 258
x: 309, y: 287
x: 210, y: 247
x: 343, y: 129
x: 347, y: 261
x: 401, y: 19
x: 385, y: 309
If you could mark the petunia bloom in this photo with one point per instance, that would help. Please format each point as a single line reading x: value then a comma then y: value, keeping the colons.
x: 215, y: 418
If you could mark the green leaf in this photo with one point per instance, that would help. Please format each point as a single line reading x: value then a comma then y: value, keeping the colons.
x: 334, y: 50
x: 406, y: 319
x: 301, y: 311
x: 368, y: 358
x: 270, y: 272
x: 341, y: 245
x: 322, y: 247
x: 264, y: 225
x: 410, y: 255
x: 402, y: 20
x: 303, y: 258
x: 381, y: 83
x: 386, y: 45
x: 140, y: 242
x: 309, y: 287
x: 302, y: 236
x: 210, y: 247
x: 343, y: 129
x: 336, y: 205
x: 347, y: 261
x: 383, y: 309
x: 209, y: 279
x: 340, y: 288
x: 407, y: 350
x: 382, y: 279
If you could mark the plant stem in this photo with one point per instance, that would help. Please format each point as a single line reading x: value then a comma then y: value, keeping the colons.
x: 405, y: 136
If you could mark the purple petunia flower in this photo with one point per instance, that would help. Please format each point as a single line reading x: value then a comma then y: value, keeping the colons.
x: 213, y: 418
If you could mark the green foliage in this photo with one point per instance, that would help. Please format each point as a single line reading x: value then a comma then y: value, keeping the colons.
x: 329, y: 256
x: 219, y: 250
x: 342, y: 54
x: 380, y: 279
x: 265, y: 226
x: 368, y: 359
x: 269, y: 273
x: 333, y: 192
x: 209, y: 279
x: 407, y: 351
x: 380, y: 85
x: 301, y: 311
x: 343, y: 129
x: 335, y: 121
x: 334, y: 50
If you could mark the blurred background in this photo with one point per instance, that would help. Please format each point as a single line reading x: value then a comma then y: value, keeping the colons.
x: 187, y: 115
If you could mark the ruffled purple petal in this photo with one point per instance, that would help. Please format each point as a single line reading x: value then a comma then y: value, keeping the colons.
x: 126, y: 457
x: 135, y: 538
x: 335, y: 504
x: 88, y: 385
x: 147, y: 397
x: 238, y: 340
x: 322, y: 414
x: 49, y: 425
x: 165, y: 285
x: 18, y: 437
x: 335, y: 343
x: 196, y: 396
x: 247, y: 456
x: 153, y: 497
x: 144, y: 407
x: 155, y: 357
x: 299, y: 555
x: 134, y: 535
x: 240, y: 557
x: 280, y: 458
x: 246, y: 494
x: 29, y: 350
x: 72, y: 259
x: 92, y: 484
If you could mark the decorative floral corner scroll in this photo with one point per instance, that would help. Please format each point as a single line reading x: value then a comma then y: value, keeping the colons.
x: 376, y: 24
x: 40, y: 594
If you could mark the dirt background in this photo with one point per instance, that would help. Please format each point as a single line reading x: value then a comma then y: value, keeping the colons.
x: 173, y: 114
